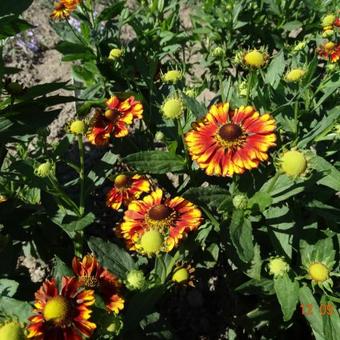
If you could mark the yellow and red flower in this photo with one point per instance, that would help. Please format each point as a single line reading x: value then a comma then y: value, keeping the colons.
x: 64, y: 315
x: 226, y: 142
x: 92, y: 275
x: 126, y: 188
x: 162, y: 221
x: 64, y: 8
x: 114, y: 121
x: 330, y: 51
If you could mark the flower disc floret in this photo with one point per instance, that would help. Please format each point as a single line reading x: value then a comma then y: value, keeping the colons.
x: 172, y: 76
x: 172, y: 108
x: 151, y: 242
x: 11, y: 331
x: 181, y: 275
x: 318, y: 272
x: 255, y: 59
x: 57, y: 309
x: 78, y: 127
x: 295, y: 75
x: 293, y: 163
x: 278, y: 266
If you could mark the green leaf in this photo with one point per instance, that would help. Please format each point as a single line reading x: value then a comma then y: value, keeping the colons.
x: 72, y: 51
x: 241, y: 236
x: 213, y: 195
x: 311, y: 311
x: 330, y: 318
x: 12, y: 308
x: 75, y: 223
x: 287, y: 292
x: 60, y: 269
x: 261, y: 200
x: 112, y: 257
x: 11, y: 25
x: 275, y: 70
x: 256, y: 264
x: 110, y: 12
x: 8, y: 287
x: 155, y: 162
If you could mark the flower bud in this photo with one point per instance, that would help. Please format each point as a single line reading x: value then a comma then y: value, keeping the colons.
x: 172, y: 108
x: 11, y: 331
x: 293, y: 163
x: 328, y: 20
x: 217, y: 52
x: 135, y: 280
x: 159, y: 136
x: 115, y: 54
x: 240, y: 201
x: 294, y: 75
x: 318, y: 272
x: 278, y: 266
x: 44, y: 169
x: 78, y: 127
x: 255, y: 59
x: 172, y: 77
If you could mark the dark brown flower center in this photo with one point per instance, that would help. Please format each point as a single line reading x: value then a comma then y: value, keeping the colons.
x: 230, y: 132
x: 159, y: 212
x: 122, y: 181
x: 112, y: 115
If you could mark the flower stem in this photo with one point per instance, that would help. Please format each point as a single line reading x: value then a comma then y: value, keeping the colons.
x: 81, y: 175
x: 78, y: 243
x: 249, y: 85
x: 181, y: 134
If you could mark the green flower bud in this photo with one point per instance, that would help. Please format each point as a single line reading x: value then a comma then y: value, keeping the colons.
x: 44, y: 169
x: 278, y: 266
x: 240, y: 201
x: 159, y: 136
x: 11, y: 331
x: 135, y: 280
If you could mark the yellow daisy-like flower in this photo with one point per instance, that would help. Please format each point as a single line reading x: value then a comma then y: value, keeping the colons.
x: 295, y: 75
x: 63, y: 9
x: 318, y: 272
x: 255, y: 59
x: 157, y: 223
x: 226, y: 142
x: 183, y: 275
x: 172, y: 76
x: 172, y: 108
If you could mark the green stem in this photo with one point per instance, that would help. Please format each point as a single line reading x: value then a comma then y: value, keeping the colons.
x: 273, y: 181
x: 296, y: 118
x: 181, y: 134
x: 81, y: 175
x: 78, y: 243
x: 249, y: 85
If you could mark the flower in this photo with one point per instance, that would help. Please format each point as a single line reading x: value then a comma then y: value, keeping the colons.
x: 227, y: 142
x: 92, y: 275
x: 157, y: 223
x: 3, y: 198
x: 294, y: 75
x: 78, y: 127
x: 293, y: 163
x: 327, y: 33
x: 115, y: 53
x: 330, y: 51
x: 63, y: 9
x: 135, y: 280
x: 183, y: 274
x: 11, y: 331
x: 172, y: 76
x: 114, y: 121
x: 63, y: 315
x: 126, y: 188
x: 172, y: 108
x: 278, y: 266
x: 240, y: 201
x: 255, y: 59
x: 45, y: 169
x: 318, y: 272
x: 180, y: 275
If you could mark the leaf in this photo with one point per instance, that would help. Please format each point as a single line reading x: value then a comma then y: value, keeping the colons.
x: 287, y: 292
x: 60, y: 269
x: 72, y: 51
x: 155, y: 162
x: 275, y: 70
x: 11, y: 25
x: 110, y: 12
x: 20, y: 310
x: 42, y: 89
x: 212, y: 195
x: 330, y: 318
x: 256, y: 264
x: 311, y: 311
x: 77, y: 223
x: 8, y: 287
x: 241, y: 236
x: 115, y: 259
x: 261, y: 200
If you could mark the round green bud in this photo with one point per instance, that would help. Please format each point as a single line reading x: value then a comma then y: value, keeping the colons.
x: 135, y: 280
x: 172, y: 108
x: 172, y: 76
x: 115, y: 53
x: 240, y: 201
x: 217, y: 52
x: 78, y: 127
x: 159, y: 136
x: 44, y: 169
x: 278, y: 266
